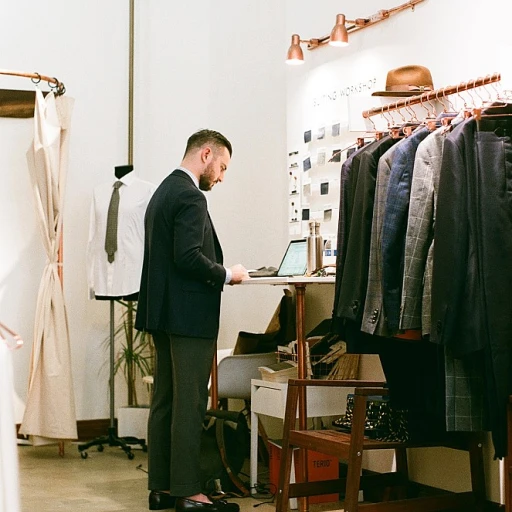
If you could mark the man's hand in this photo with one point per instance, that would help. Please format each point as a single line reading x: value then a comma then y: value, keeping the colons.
x: 238, y: 274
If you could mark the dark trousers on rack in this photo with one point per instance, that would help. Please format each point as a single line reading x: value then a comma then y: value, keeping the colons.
x: 180, y: 399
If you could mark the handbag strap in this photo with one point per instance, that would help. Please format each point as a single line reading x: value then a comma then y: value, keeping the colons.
x: 219, y: 434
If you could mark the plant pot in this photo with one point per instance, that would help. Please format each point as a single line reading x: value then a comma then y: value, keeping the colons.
x: 133, y: 422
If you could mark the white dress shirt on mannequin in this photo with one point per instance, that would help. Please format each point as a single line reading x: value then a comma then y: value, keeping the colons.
x: 121, y: 277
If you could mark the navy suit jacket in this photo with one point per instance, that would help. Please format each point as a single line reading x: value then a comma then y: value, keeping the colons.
x: 182, y: 274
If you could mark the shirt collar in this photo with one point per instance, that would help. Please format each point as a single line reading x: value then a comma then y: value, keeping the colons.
x: 189, y: 173
x: 128, y: 179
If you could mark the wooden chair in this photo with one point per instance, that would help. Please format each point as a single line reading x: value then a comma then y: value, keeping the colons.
x: 350, y: 448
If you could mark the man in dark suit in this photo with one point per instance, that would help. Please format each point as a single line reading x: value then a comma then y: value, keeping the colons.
x: 179, y: 304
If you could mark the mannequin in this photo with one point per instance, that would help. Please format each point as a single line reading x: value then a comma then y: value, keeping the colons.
x: 122, y: 170
x: 119, y: 279
x: 114, y: 264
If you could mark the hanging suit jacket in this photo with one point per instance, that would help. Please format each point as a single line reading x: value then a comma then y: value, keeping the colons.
x: 395, y: 225
x: 464, y: 389
x: 354, y: 278
x: 419, y: 237
x: 348, y: 179
x: 472, y: 274
x: 182, y: 274
x: 374, y: 318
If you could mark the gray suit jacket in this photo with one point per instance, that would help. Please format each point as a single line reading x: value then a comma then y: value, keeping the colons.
x: 417, y: 281
x: 373, y: 317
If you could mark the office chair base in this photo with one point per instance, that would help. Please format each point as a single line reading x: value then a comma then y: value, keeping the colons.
x: 111, y: 439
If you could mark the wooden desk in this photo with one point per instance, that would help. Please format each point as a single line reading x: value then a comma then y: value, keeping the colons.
x: 300, y: 284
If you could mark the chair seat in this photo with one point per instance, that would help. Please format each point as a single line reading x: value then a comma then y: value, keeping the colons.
x: 337, y: 443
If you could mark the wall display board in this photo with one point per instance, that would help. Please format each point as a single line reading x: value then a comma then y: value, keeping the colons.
x: 331, y: 128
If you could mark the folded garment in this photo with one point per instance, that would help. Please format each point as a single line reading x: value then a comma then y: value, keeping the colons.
x: 263, y: 272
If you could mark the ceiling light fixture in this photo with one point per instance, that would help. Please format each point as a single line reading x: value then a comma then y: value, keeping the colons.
x: 295, y: 55
x: 340, y: 32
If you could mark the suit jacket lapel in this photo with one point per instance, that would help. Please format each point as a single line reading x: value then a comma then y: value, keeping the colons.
x: 218, y: 248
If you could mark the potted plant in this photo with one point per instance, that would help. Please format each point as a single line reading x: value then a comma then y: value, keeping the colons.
x: 135, y: 359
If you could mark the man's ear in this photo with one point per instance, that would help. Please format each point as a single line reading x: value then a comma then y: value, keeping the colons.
x: 206, y: 154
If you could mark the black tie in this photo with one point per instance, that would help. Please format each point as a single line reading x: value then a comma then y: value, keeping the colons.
x: 111, y: 236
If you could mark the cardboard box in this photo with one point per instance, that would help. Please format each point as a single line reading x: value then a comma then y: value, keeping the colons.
x: 320, y: 467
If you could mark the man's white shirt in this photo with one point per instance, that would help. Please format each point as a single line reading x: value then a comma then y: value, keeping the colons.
x: 122, y: 276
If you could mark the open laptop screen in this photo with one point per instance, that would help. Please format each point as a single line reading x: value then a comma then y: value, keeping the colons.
x: 295, y: 259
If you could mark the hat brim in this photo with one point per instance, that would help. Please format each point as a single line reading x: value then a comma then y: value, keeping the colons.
x: 398, y: 94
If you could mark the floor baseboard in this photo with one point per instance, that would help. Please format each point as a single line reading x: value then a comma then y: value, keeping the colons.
x: 87, y: 429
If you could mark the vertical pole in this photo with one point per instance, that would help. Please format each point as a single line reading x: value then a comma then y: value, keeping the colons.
x: 300, y: 305
x: 129, y: 322
x: 132, y: 394
x: 60, y: 261
x: 214, y: 386
x: 131, y: 59
x: 507, y: 473
x: 112, y: 358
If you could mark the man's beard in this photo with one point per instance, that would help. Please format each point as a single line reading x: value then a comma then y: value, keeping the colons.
x: 206, y: 181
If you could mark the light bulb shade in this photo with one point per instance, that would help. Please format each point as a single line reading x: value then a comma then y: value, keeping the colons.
x: 295, y: 55
x: 339, y: 34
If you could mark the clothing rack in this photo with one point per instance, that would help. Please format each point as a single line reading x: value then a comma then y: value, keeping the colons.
x: 53, y: 82
x: 16, y: 338
x: 58, y: 87
x: 437, y: 94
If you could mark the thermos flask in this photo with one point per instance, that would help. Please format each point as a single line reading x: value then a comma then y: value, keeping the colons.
x: 315, y: 245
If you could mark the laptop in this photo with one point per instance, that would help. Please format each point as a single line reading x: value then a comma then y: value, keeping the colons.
x: 294, y: 262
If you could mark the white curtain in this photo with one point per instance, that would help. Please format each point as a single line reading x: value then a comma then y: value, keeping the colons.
x: 50, y: 408
x: 9, y: 481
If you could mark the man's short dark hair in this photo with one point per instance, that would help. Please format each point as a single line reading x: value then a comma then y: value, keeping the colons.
x: 199, y: 139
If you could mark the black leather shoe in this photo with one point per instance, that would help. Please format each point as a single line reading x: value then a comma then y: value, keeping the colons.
x: 186, y: 505
x: 161, y: 501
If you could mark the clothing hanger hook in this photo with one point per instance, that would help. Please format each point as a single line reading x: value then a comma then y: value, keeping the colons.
x: 424, y: 107
x: 37, y: 80
x: 373, y: 124
x: 401, y: 115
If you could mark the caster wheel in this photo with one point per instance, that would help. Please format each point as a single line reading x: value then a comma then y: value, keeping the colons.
x: 145, y: 448
x: 100, y: 448
x: 131, y: 456
x: 84, y: 455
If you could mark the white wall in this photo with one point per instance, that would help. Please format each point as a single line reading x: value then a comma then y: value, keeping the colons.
x: 458, y: 41
x: 197, y: 65
x: 84, y: 45
x: 220, y: 67
x: 201, y: 64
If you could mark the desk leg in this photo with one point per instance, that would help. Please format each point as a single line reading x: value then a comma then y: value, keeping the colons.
x: 300, y: 289
x: 214, y: 386
x: 254, y: 446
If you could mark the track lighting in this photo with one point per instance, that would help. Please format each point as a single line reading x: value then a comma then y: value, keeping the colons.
x: 339, y: 34
x: 295, y: 55
x: 341, y: 30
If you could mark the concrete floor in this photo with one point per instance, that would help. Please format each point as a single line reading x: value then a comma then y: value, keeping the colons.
x: 104, y: 482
